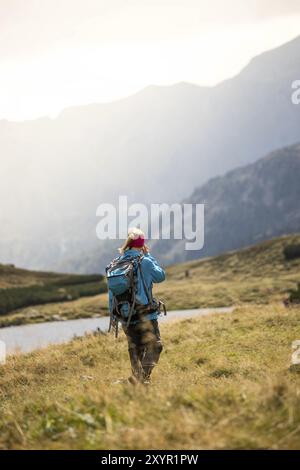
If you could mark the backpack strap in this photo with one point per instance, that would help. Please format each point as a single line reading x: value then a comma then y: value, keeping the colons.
x: 134, y: 290
x: 113, y: 321
x: 131, y: 308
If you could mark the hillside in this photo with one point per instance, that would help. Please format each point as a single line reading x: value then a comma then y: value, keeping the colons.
x: 22, y: 289
x: 13, y: 277
x: 223, y: 382
x: 245, y: 206
x: 257, y: 274
x: 89, y: 154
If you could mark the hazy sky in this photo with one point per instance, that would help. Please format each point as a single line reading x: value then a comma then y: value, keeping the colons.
x: 58, y: 53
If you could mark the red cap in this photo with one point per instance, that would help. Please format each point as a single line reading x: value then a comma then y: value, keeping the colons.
x: 137, y: 243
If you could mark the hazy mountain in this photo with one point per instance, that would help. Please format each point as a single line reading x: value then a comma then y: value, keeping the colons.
x: 250, y: 204
x: 155, y: 146
x: 247, y: 205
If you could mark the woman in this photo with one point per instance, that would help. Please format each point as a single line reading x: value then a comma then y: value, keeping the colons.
x: 141, y: 326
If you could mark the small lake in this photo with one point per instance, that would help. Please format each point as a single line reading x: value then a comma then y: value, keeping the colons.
x: 26, y: 338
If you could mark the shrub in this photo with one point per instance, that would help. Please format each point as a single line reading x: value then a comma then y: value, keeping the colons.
x: 295, y: 295
x: 291, y: 252
x: 20, y: 297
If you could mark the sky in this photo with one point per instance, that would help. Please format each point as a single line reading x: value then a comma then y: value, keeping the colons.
x: 60, y: 53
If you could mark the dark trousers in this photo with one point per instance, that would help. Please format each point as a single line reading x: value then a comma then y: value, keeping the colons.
x: 144, y: 347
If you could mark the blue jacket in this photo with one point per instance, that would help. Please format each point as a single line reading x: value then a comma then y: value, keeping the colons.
x: 152, y: 273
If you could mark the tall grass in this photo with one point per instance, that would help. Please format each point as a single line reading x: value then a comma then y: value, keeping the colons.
x: 223, y: 382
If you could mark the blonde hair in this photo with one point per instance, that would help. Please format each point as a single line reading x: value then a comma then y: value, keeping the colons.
x: 133, y: 234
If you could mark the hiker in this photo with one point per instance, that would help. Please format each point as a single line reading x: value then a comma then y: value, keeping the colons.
x: 130, y: 278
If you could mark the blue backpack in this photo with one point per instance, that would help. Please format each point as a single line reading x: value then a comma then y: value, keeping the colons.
x: 122, y: 280
x: 122, y: 277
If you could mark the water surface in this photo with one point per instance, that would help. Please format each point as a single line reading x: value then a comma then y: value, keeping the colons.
x: 25, y: 338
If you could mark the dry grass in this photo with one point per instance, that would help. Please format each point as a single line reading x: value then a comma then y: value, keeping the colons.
x: 223, y: 382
